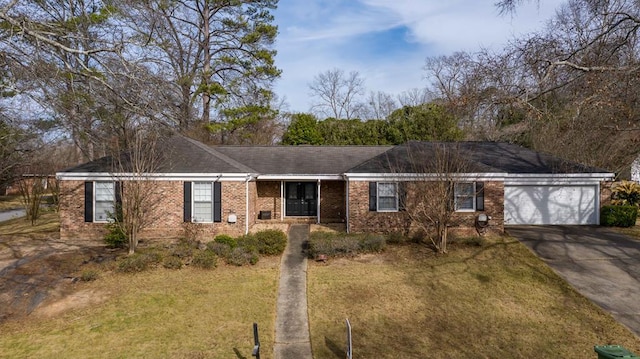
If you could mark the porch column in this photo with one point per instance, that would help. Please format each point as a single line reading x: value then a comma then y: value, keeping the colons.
x: 346, y: 202
x: 281, y: 201
x: 318, y: 204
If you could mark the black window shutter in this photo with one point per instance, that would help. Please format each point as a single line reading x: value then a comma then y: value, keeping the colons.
x: 88, y: 201
x: 217, y: 202
x: 187, y: 202
x: 479, y: 196
x: 118, y: 209
x: 373, y: 196
x: 402, y: 196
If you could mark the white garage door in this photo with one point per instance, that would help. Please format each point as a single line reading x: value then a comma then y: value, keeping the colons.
x: 550, y: 204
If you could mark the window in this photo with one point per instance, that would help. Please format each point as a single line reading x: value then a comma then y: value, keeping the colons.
x: 469, y: 196
x: 104, y: 201
x: 202, y: 202
x: 383, y: 196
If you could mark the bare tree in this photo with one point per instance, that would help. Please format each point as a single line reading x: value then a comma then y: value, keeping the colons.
x: 439, y: 171
x: 338, y: 94
x: 136, y: 193
x: 379, y: 105
x: 414, y: 97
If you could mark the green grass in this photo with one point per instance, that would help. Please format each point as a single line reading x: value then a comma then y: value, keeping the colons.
x: 493, y: 301
x: 186, y: 313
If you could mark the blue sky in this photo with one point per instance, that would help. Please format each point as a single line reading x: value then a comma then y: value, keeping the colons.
x: 387, y: 41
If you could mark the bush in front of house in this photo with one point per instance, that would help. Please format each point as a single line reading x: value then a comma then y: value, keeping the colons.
x: 172, y: 262
x: 220, y: 249
x: 271, y: 241
x: 342, y: 244
x: 618, y: 216
x: 248, y: 241
x: 139, y: 261
x: 205, y: 259
x: 240, y: 256
x: 226, y: 239
x: 626, y: 193
x: 115, y: 237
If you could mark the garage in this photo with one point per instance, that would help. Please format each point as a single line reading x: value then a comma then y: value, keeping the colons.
x: 551, y: 204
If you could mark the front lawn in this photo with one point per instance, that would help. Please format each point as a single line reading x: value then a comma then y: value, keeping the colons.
x: 491, y: 301
x: 187, y: 313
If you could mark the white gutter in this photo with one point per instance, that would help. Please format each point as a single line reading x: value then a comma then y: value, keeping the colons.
x: 88, y: 176
x: 424, y: 176
x: 558, y: 179
x: 298, y: 177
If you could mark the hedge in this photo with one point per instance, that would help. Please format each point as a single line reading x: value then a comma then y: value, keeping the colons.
x: 618, y: 216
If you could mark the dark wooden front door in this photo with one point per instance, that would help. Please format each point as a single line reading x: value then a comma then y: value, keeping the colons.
x: 302, y: 199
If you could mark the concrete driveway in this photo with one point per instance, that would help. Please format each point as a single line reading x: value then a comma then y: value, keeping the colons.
x: 601, y: 264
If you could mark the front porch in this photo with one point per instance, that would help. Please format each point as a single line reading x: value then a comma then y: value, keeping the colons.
x: 297, y: 201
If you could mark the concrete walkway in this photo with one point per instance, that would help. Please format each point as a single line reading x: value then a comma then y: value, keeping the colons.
x: 292, y: 322
x: 598, y: 262
x: 11, y: 214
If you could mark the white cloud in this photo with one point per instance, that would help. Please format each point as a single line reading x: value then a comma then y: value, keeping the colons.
x: 316, y: 35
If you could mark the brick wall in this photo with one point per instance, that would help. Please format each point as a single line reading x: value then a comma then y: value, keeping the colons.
x: 605, y: 193
x: 268, y: 198
x: 165, y: 217
x: 363, y: 220
x: 332, y: 201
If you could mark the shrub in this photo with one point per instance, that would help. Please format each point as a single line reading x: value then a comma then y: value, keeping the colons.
x: 626, y: 193
x: 372, y: 243
x: 115, y: 237
x: 172, y: 262
x: 192, y: 230
x: 396, y: 238
x: 138, y: 262
x: 333, y: 244
x: 249, y: 242
x: 89, y: 275
x: 220, y: 249
x: 240, y: 256
x: 271, y: 241
x: 205, y: 259
x: 226, y: 239
x: 618, y: 216
x: 182, y: 250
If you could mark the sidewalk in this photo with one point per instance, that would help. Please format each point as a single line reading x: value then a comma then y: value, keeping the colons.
x: 292, y: 323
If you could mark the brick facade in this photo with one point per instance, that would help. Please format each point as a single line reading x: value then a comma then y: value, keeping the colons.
x: 165, y: 219
x: 363, y: 220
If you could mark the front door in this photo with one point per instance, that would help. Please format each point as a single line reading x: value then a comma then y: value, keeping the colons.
x: 302, y: 199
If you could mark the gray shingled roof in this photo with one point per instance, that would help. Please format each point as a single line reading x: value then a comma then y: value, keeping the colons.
x: 183, y: 155
x: 482, y: 157
x: 301, y: 160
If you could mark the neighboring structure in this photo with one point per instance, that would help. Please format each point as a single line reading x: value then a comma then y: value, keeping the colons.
x: 635, y: 170
x: 231, y: 189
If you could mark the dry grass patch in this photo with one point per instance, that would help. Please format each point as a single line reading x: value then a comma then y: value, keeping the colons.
x: 492, y: 301
x: 47, y: 226
x: 186, y: 313
x: 10, y: 202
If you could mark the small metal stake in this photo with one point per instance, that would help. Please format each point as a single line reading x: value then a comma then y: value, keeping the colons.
x: 256, y: 342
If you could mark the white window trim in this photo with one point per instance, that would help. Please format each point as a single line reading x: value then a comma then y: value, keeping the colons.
x: 396, y: 196
x: 193, y: 202
x: 474, y: 196
x: 95, y: 193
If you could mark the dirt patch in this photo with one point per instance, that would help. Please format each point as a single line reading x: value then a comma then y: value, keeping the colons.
x: 42, y: 274
x: 61, y: 301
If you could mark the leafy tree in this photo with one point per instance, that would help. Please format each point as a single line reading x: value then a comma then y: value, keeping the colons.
x: 426, y: 122
x: 303, y: 130
x: 215, y: 55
